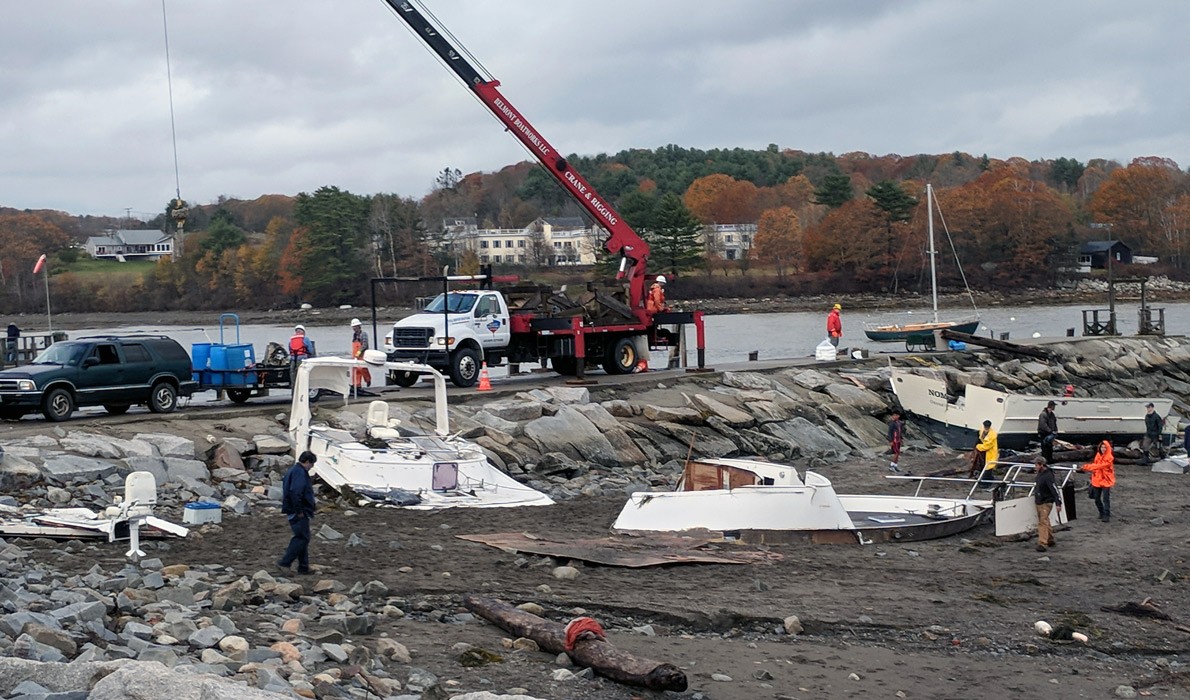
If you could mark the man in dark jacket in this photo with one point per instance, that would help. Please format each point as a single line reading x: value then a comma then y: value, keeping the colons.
x: 1047, y: 497
x: 1047, y: 430
x: 896, y: 433
x: 297, y: 503
x: 1153, y: 425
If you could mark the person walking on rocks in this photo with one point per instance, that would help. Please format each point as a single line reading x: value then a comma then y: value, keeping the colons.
x: 834, y: 325
x: 1153, y: 425
x: 1047, y: 497
x: 896, y: 432
x: 1047, y: 430
x: 1103, y: 478
x: 297, y: 503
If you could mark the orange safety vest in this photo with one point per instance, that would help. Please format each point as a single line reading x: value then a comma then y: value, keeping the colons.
x: 656, y: 301
x: 297, y: 346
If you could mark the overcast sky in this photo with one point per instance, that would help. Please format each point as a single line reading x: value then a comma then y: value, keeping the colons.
x: 284, y: 96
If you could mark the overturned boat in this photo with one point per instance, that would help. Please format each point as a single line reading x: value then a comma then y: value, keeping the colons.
x: 393, y: 465
x: 956, y: 418
x: 763, y: 502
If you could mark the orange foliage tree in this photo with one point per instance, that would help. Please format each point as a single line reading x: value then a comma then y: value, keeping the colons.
x: 850, y: 239
x: 722, y: 199
x: 1135, y: 200
x: 779, y: 239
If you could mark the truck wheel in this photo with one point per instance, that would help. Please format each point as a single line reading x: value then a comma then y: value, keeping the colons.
x: 163, y: 398
x: 565, y: 366
x: 238, y: 395
x: 464, y: 367
x: 116, y: 409
x: 622, y: 357
x: 405, y: 379
x: 58, y: 405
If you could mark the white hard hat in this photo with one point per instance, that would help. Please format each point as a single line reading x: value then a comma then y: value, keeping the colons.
x: 661, y: 279
x: 355, y: 322
x: 300, y: 327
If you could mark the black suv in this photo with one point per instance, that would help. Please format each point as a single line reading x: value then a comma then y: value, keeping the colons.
x: 110, y: 371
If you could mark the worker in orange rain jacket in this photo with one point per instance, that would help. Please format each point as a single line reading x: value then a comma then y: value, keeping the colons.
x: 359, y: 343
x: 655, y: 303
x: 1103, y: 478
x: 834, y: 325
x: 300, y: 347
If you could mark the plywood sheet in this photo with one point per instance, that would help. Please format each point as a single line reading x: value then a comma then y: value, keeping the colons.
x: 627, y: 551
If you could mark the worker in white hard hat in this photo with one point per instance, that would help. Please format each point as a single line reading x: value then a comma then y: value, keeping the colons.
x: 360, y: 376
x: 655, y: 303
x: 300, y: 347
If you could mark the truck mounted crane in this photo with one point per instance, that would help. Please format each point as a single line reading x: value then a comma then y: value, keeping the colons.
x: 568, y: 340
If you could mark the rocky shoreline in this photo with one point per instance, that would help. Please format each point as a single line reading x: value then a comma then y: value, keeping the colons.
x: 81, y: 623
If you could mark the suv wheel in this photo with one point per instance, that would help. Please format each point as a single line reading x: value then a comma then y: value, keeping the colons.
x: 164, y: 398
x: 58, y: 405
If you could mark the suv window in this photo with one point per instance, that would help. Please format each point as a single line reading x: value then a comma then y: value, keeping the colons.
x: 169, y: 350
x: 106, y: 354
x: 135, y: 352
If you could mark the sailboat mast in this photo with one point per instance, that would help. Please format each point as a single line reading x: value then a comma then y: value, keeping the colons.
x: 933, y: 252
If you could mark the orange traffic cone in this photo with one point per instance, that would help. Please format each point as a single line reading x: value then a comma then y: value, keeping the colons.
x: 642, y: 366
x: 485, y: 384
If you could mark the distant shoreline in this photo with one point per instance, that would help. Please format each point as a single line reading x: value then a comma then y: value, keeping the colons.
x: 31, y: 323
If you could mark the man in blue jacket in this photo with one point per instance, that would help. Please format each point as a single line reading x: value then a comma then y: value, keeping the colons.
x: 297, y: 503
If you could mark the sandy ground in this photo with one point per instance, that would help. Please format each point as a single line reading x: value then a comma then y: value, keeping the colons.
x: 942, y: 619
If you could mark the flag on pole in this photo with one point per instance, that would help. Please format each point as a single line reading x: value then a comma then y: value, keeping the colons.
x: 40, y: 264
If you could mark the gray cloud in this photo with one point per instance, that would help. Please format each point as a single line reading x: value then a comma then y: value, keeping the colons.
x: 282, y: 96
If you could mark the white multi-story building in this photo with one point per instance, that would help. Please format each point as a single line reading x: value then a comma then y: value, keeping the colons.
x: 543, y: 242
x: 729, y: 241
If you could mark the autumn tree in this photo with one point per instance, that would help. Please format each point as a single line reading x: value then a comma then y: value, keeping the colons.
x: 1134, y: 201
x: 722, y: 199
x: 24, y: 237
x: 849, y: 240
x: 779, y: 239
x: 398, y: 237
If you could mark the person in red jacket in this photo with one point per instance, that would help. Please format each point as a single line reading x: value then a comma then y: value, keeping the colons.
x: 834, y: 325
x: 1103, y: 478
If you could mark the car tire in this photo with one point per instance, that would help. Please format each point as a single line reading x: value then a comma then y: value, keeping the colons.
x: 621, y: 358
x: 116, y: 409
x: 57, y: 405
x: 403, y: 379
x: 464, y: 367
x: 163, y: 398
x: 238, y: 395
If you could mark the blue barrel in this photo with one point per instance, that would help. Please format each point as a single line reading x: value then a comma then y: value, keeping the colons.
x: 200, y: 356
x: 218, y: 357
x: 240, y: 356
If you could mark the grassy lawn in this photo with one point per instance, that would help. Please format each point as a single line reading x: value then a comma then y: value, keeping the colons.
x: 88, y: 267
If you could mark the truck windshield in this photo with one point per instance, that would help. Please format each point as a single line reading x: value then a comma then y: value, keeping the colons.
x: 61, y: 354
x: 457, y: 303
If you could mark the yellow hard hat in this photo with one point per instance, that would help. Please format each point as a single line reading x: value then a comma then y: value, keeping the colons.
x: 837, y: 307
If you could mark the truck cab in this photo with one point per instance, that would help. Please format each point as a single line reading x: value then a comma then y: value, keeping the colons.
x: 479, y: 332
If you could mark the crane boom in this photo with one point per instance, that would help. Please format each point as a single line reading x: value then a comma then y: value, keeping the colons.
x: 622, y: 239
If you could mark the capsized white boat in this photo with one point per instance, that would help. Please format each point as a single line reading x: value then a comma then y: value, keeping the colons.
x: 956, y: 419
x: 758, y: 501
x: 438, y: 470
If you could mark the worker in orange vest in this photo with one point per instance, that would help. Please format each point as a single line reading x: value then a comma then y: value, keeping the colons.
x: 359, y: 344
x: 300, y: 347
x: 655, y: 303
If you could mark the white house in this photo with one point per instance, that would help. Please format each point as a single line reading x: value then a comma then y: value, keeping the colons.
x: 544, y: 241
x: 130, y: 244
x: 731, y: 241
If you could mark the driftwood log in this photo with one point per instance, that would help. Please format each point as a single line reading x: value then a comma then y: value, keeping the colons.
x: 598, y: 655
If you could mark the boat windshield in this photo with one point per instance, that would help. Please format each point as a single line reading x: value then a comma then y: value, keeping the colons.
x: 456, y: 302
x: 61, y: 354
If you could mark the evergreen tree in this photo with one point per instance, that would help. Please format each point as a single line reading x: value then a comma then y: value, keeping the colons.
x: 675, y: 235
x: 333, y: 263
x: 897, y: 204
x: 834, y: 192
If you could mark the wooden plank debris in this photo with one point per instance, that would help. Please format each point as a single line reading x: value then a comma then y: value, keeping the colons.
x: 629, y: 552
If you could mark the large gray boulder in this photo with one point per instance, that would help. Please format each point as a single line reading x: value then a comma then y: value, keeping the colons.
x: 153, y: 681
x: 90, y: 445
x: 169, y: 445
x: 515, y: 411
x: 810, y: 439
x: 572, y: 434
x: 67, y: 468
x: 733, y: 416
x: 857, y: 397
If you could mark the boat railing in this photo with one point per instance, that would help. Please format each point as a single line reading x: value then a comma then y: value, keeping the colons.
x: 1009, y: 479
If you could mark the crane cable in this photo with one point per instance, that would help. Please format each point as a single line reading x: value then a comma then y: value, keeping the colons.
x: 177, y: 207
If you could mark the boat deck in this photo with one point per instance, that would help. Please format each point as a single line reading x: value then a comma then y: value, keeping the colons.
x: 863, y: 520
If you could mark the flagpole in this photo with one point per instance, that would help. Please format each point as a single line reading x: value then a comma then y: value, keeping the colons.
x: 48, y: 316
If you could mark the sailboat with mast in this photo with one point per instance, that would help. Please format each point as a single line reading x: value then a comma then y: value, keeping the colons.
x: 900, y: 332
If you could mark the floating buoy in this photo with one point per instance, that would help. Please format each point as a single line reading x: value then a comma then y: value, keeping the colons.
x: 1042, y: 628
x: 1036, y: 334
